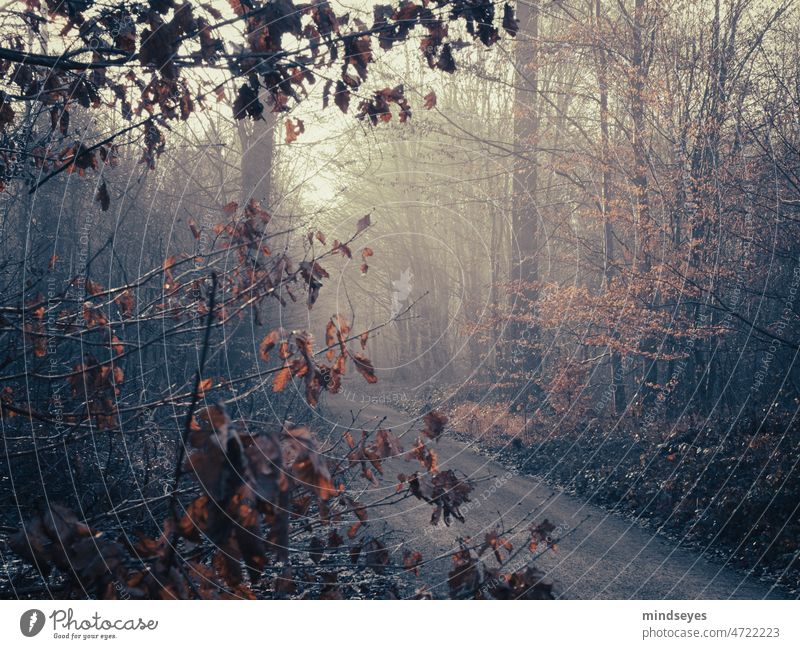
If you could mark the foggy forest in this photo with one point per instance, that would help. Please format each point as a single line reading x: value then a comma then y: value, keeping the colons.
x: 464, y: 299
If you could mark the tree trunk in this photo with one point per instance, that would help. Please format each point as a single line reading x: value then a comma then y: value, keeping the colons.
x: 617, y: 378
x: 522, y: 329
x: 258, y: 157
x: 639, y: 180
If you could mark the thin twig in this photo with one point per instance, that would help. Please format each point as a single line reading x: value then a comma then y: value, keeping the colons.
x: 187, y: 427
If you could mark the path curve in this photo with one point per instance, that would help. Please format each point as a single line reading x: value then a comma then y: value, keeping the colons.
x: 605, y: 557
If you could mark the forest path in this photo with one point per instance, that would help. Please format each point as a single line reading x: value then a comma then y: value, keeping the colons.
x: 605, y: 556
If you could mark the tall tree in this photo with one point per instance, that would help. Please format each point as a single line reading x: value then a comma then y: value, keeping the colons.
x: 523, y: 332
x: 606, y: 192
x: 257, y: 140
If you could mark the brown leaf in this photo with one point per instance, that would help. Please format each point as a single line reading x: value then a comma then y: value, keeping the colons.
x: 93, y: 288
x: 387, y: 444
x: 335, y: 539
x: 353, y: 529
x: 253, y: 210
x: 523, y: 584
x: 203, y: 386
x: 430, y: 100
x: 541, y: 533
x: 342, y: 249
x: 332, y: 335
x: 238, y: 7
x: 435, y: 422
x: 102, y: 196
x: 247, y: 103
x: 293, y: 130
x: 309, y: 468
x: 314, y: 385
x: 365, y: 368
x: 411, y: 561
x: 342, y: 96
x: 446, y: 62
x: 464, y: 579
x: 510, y: 23
x: 376, y: 555
x: 493, y: 541
x: 425, y: 456
x: 281, y: 379
x: 363, y: 223
x: 125, y: 303
x: 268, y: 344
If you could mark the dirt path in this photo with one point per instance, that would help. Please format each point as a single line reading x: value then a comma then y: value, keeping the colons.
x: 606, y: 557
